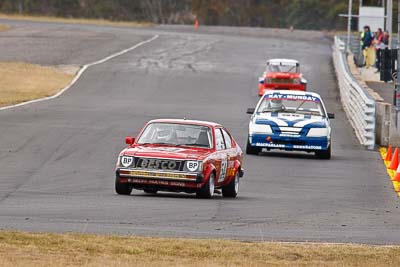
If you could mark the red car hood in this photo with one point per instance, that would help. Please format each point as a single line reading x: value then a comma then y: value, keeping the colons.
x: 282, y: 75
x: 171, y: 152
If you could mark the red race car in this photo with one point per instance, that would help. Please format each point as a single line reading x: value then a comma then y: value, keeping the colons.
x: 282, y: 74
x: 180, y: 155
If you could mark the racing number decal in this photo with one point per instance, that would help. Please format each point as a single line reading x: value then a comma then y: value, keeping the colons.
x: 222, y: 173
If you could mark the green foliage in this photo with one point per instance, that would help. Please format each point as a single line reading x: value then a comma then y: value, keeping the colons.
x: 301, y: 14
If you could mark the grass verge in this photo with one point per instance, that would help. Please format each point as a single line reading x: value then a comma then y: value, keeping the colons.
x: 43, y: 249
x: 21, y: 82
x: 74, y: 20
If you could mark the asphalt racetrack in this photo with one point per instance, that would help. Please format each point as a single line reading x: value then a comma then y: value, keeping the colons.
x: 57, y: 157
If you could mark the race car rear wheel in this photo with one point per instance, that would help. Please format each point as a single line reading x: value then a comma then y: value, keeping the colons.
x: 323, y: 154
x: 207, y: 191
x: 252, y: 150
x: 122, y: 188
x: 232, y: 189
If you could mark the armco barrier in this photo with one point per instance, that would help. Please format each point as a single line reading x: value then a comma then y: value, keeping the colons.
x: 357, y: 102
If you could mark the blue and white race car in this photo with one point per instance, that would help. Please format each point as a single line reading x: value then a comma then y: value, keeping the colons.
x: 290, y: 120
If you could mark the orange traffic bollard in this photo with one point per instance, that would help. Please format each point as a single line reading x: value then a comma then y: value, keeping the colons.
x: 397, y: 175
x: 394, y: 163
x: 396, y: 180
x: 388, y: 157
x: 389, y: 154
x: 196, y: 24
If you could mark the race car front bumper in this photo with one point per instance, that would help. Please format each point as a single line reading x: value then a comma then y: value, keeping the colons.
x: 160, y: 178
x: 301, y: 143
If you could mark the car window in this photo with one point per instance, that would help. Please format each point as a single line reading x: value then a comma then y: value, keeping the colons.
x: 281, y: 67
x: 228, y: 139
x: 219, y: 140
x: 177, y: 134
x: 287, y: 103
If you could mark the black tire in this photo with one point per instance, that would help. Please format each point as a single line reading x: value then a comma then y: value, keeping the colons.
x: 150, y: 191
x: 232, y: 189
x: 324, y: 154
x: 207, y: 191
x: 252, y: 150
x: 122, y: 188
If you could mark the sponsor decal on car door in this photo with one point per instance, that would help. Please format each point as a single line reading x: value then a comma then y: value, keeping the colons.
x: 230, y: 154
x: 222, y: 159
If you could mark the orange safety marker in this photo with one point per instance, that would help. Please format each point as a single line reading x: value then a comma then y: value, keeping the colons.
x: 388, y: 157
x: 196, y: 24
x: 396, y: 180
x: 394, y: 163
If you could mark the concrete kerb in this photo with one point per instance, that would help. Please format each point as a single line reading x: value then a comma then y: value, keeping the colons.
x: 80, y: 72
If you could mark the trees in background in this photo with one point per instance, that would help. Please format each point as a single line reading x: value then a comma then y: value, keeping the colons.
x: 303, y: 14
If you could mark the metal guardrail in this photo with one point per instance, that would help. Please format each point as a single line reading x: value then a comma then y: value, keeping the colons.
x: 357, y: 102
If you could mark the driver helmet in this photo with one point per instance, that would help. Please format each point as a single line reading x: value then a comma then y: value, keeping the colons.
x: 164, y: 133
x: 276, y: 104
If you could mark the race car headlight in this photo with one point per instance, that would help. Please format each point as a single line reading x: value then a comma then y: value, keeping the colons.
x: 259, y: 128
x: 193, y: 166
x: 318, y: 132
x: 125, y: 161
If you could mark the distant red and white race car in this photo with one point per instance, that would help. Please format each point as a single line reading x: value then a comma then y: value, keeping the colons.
x: 180, y: 156
x: 282, y: 74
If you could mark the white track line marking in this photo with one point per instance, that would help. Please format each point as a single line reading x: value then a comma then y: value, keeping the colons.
x: 79, y: 74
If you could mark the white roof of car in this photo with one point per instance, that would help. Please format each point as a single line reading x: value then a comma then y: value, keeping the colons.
x: 282, y: 61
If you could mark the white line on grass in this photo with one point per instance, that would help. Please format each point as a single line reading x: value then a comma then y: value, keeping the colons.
x: 79, y: 74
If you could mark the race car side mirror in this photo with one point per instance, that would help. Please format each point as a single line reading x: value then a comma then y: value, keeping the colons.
x: 261, y: 80
x: 331, y: 115
x: 250, y: 110
x: 129, y: 140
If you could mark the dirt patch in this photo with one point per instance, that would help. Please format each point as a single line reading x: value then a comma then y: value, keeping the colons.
x: 27, y: 249
x: 4, y: 27
x: 76, y: 20
x: 21, y: 82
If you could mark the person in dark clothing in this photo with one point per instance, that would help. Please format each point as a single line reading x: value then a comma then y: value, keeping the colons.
x: 385, y: 38
x: 366, y: 42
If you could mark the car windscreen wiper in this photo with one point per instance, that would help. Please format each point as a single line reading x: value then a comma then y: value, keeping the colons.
x: 199, y: 145
x: 160, y: 143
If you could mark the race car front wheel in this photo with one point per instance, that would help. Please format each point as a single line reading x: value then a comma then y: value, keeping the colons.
x: 324, y: 154
x: 122, y: 188
x: 232, y: 189
x: 207, y: 191
x: 252, y: 150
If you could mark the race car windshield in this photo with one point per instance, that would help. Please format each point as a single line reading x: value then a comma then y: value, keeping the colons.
x: 296, y: 104
x: 283, y: 68
x: 176, y: 134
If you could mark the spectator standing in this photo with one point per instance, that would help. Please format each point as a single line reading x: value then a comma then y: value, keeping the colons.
x: 366, y: 42
x: 385, y: 39
x: 379, y: 46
